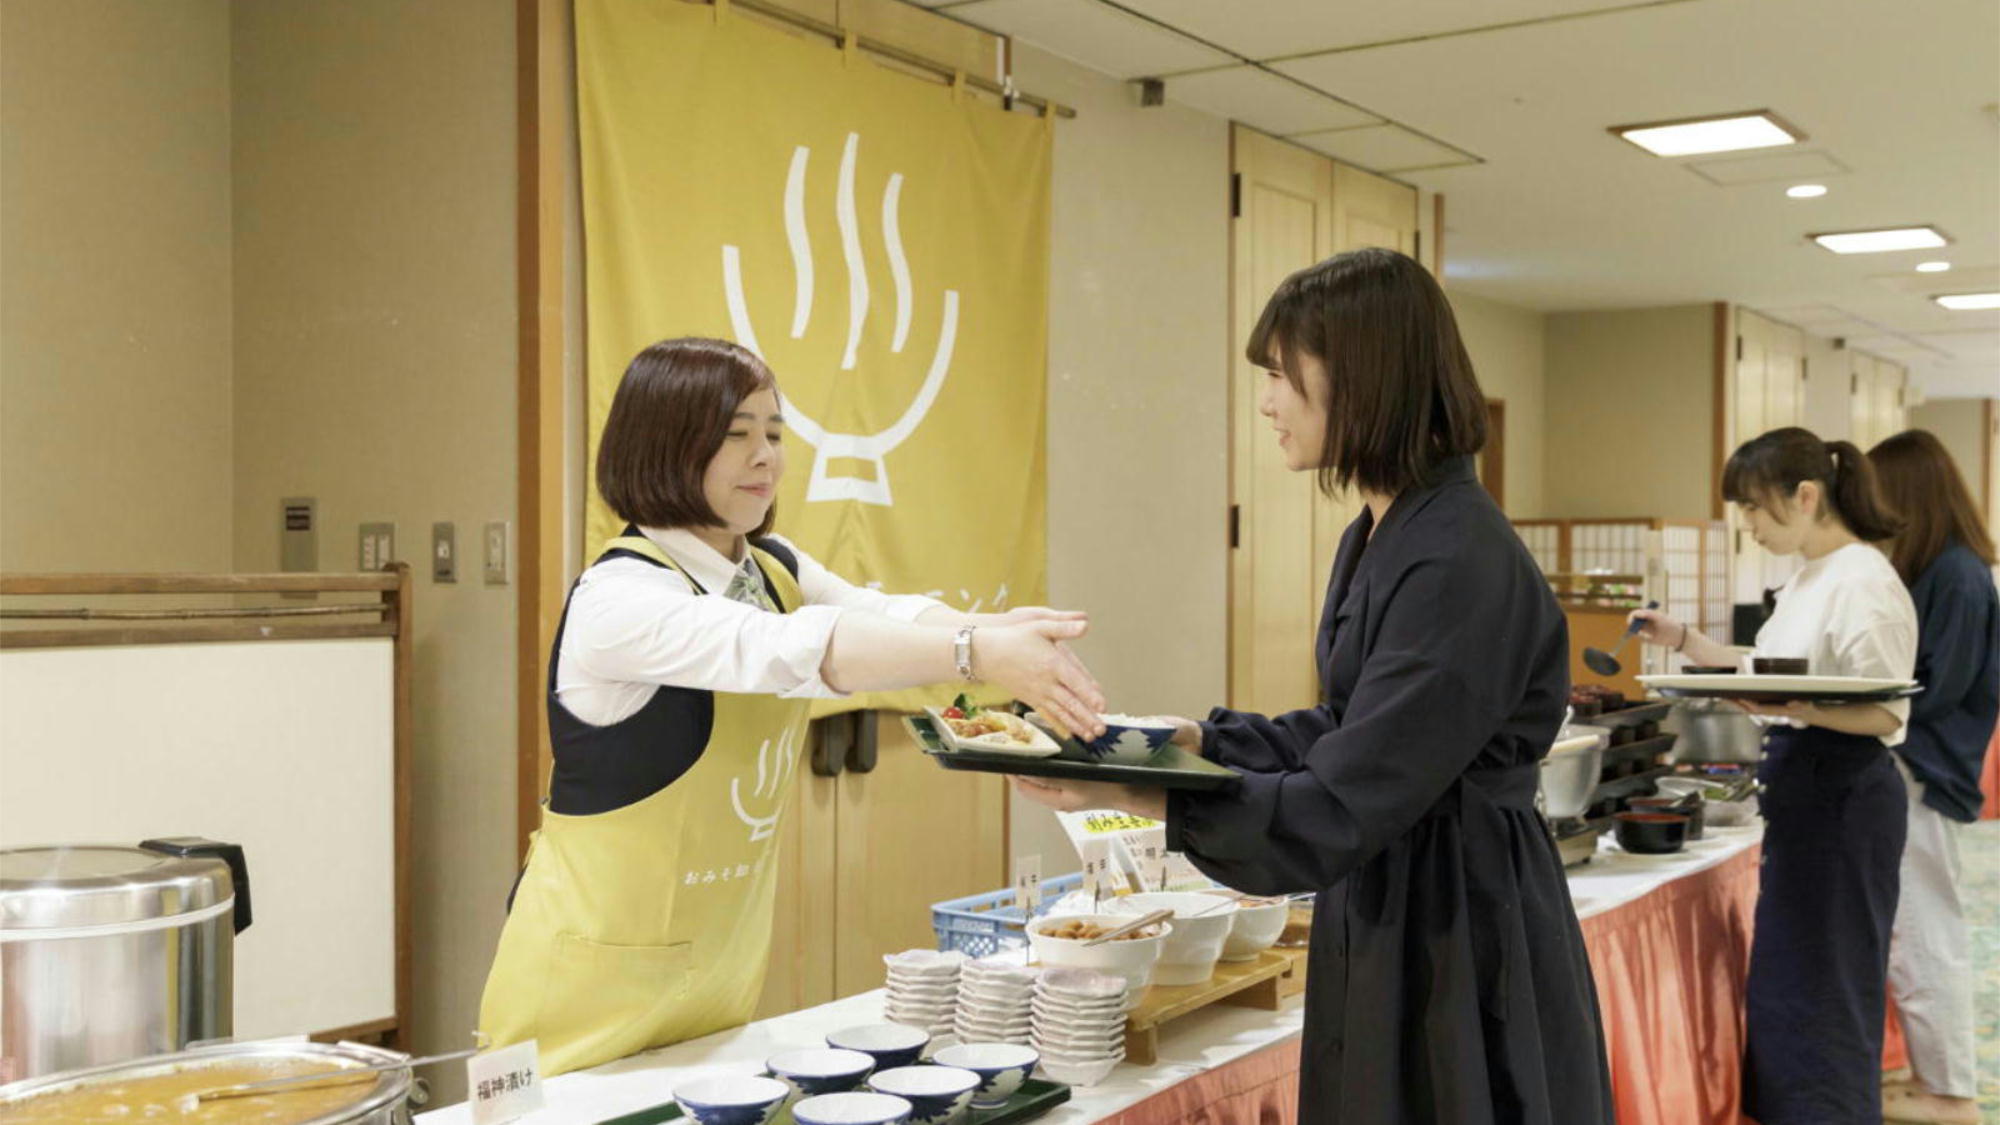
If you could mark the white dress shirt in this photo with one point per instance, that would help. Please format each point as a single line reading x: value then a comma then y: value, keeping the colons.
x: 1849, y: 614
x: 634, y: 626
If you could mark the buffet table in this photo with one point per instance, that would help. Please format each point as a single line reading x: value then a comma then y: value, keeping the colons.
x: 1669, y: 940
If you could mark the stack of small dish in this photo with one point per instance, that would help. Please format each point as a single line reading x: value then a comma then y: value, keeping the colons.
x: 1079, y: 1024
x: 994, y: 1002
x: 923, y: 989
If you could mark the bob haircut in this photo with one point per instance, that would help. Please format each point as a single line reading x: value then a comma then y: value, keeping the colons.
x: 1402, y: 399
x: 674, y: 406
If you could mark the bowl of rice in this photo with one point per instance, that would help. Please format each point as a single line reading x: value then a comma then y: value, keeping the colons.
x: 1128, y: 740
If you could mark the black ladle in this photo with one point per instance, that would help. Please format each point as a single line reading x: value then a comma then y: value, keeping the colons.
x: 1606, y: 663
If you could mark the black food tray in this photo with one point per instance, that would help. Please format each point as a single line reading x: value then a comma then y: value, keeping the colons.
x: 1035, y: 1097
x: 1171, y: 768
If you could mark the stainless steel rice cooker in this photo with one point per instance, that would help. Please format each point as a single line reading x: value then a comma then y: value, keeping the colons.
x: 110, y: 953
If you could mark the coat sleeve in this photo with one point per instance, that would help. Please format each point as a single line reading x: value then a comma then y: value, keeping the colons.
x: 1249, y: 741
x: 1951, y: 638
x: 1447, y: 666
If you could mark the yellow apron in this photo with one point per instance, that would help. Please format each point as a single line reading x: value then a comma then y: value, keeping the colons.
x: 651, y: 923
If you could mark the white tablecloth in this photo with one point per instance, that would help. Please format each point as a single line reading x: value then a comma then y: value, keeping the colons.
x: 1189, y: 1046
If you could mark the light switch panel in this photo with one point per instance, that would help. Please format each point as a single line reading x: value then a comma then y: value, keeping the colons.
x: 298, y: 534
x: 378, y: 545
x: 496, y: 552
x: 444, y: 552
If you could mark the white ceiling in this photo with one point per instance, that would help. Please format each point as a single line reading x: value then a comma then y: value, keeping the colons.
x: 1503, y: 105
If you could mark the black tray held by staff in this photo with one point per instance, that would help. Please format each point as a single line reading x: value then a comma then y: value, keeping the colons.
x: 1171, y: 767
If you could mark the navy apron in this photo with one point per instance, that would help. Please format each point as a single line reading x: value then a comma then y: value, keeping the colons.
x: 1835, y: 816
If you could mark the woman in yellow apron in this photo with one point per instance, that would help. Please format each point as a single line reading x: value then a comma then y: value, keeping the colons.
x: 678, y: 696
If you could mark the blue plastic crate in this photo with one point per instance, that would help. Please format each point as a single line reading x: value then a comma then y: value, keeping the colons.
x: 977, y: 926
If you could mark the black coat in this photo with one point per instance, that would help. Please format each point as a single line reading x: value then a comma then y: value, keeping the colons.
x: 1447, y: 977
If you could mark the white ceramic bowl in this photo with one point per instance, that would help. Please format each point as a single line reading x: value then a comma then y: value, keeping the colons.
x: 937, y: 1094
x: 1132, y: 958
x: 857, y: 1108
x: 1001, y: 1068
x: 1078, y: 1073
x: 821, y: 1070
x: 929, y: 963
x: 1257, y: 926
x: 731, y: 1099
x: 1200, y: 928
x: 889, y: 1044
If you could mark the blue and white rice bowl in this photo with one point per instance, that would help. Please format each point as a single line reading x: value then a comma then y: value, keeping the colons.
x: 858, y: 1108
x: 938, y: 1095
x: 1001, y: 1068
x: 731, y: 1099
x: 821, y: 1070
x: 1130, y: 740
x: 889, y: 1044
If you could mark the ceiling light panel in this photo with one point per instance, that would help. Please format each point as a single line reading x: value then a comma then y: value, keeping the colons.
x: 1700, y: 135
x: 1881, y: 241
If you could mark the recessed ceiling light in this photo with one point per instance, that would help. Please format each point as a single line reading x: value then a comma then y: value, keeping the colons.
x: 1961, y: 302
x: 1933, y: 267
x: 1877, y: 241
x: 1730, y: 132
x: 1806, y: 191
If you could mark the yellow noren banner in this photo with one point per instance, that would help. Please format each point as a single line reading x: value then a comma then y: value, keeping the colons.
x: 880, y: 240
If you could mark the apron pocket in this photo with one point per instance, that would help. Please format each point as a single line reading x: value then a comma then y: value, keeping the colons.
x: 594, y: 987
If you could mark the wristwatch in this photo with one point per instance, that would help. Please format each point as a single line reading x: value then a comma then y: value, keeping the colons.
x: 961, y: 652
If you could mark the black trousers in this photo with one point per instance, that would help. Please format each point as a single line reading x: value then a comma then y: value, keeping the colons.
x: 1835, y: 817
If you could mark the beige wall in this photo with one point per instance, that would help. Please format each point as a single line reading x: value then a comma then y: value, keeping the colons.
x: 1508, y: 351
x: 1629, y: 424
x: 114, y: 308
x: 375, y: 370
x: 1957, y: 422
x: 1828, y: 406
x: 1138, y: 398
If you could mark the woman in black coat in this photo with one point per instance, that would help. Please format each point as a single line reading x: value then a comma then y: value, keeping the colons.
x: 1447, y: 980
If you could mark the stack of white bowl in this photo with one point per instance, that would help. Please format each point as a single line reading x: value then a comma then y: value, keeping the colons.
x: 1079, y: 1024
x: 994, y: 1002
x: 923, y: 988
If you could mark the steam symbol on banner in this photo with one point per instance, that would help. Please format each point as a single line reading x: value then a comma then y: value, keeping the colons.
x: 773, y: 771
x: 871, y: 448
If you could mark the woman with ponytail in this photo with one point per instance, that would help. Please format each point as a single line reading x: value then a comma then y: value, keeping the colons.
x: 1944, y: 553
x: 1833, y: 802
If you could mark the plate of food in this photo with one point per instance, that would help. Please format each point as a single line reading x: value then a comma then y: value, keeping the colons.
x: 989, y: 730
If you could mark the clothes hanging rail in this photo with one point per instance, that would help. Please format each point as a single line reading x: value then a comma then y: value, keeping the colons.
x: 839, y: 35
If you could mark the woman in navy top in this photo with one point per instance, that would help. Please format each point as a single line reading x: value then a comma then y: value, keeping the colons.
x: 1945, y: 555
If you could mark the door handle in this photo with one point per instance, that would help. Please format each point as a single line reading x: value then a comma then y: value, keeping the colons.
x: 862, y: 748
x: 829, y: 740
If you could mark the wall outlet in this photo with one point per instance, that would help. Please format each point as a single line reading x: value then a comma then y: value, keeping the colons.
x: 444, y: 552
x: 378, y: 545
x: 496, y: 552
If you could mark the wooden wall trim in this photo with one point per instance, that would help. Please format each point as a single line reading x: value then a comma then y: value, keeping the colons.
x: 541, y: 38
x: 94, y: 584
x: 1987, y: 425
x: 1720, y: 431
x: 1437, y: 235
x: 398, y: 609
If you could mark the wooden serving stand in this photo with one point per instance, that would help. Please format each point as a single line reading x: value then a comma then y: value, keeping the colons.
x: 1261, y: 983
